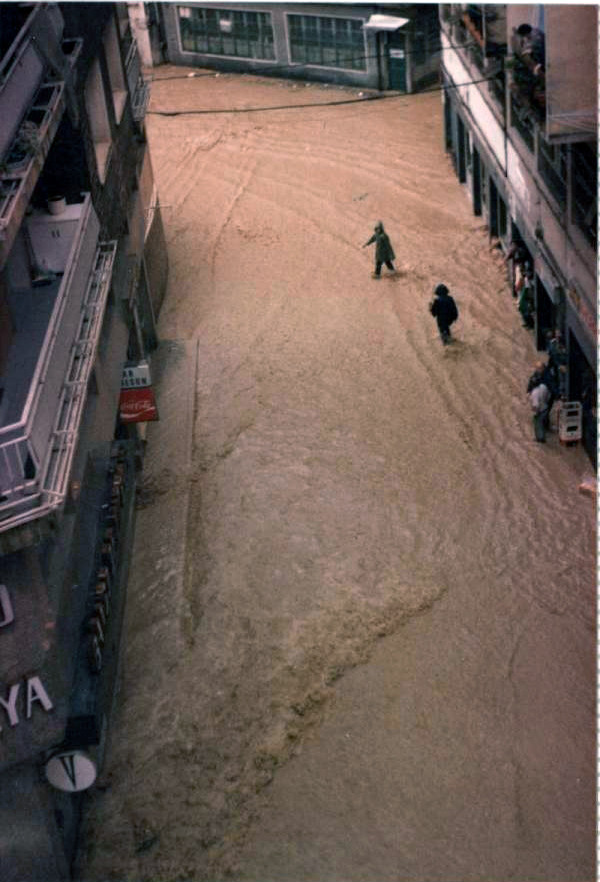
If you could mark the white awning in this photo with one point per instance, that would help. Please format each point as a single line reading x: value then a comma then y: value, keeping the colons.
x: 384, y: 23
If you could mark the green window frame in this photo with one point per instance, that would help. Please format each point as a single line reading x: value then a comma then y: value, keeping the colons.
x: 327, y: 42
x: 229, y: 32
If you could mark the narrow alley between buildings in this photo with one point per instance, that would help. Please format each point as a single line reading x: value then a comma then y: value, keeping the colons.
x: 360, y: 631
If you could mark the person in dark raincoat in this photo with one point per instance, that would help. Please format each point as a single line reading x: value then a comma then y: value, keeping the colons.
x: 526, y: 304
x: 384, y: 253
x: 444, y: 310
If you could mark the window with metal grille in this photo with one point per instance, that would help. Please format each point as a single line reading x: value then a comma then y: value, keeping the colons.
x: 552, y: 166
x: 327, y: 42
x: 584, y: 191
x: 230, y: 32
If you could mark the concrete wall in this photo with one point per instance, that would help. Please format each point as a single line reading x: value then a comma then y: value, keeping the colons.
x: 282, y: 64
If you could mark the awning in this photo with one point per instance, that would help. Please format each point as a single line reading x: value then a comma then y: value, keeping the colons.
x: 384, y: 23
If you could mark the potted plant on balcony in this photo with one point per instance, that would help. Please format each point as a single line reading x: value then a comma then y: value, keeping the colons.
x: 22, y: 149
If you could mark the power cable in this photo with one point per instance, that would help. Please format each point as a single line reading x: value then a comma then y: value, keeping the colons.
x: 363, y: 100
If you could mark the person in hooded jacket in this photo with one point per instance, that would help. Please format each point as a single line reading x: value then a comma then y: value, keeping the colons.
x: 543, y: 375
x: 444, y: 310
x: 384, y: 253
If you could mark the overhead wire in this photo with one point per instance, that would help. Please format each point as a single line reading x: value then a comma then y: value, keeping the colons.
x: 304, y: 105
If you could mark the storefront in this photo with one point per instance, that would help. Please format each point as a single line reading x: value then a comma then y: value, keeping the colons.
x: 349, y: 44
x: 582, y: 364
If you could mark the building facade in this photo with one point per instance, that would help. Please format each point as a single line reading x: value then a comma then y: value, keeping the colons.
x: 363, y: 45
x: 520, y: 120
x: 82, y: 275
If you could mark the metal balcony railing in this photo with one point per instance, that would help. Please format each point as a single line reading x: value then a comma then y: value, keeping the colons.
x: 140, y: 99
x: 139, y: 89
x: 36, y: 448
x: 19, y: 173
x: 72, y: 400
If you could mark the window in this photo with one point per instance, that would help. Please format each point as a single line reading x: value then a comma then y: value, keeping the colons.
x: 584, y: 198
x: 552, y: 166
x: 328, y: 42
x: 95, y: 103
x: 115, y: 69
x: 233, y: 33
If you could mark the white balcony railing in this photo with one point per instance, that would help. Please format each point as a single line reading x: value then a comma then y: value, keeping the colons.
x: 42, y: 114
x: 36, y: 448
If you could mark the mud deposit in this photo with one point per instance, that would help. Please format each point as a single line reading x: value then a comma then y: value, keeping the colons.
x: 378, y: 660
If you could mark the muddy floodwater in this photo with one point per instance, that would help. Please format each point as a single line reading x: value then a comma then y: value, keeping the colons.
x: 380, y: 661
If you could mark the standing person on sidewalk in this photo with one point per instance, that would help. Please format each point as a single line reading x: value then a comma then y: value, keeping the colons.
x: 543, y: 374
x: 384, y: 253
x: 539, y: 398
x: 444, y: 310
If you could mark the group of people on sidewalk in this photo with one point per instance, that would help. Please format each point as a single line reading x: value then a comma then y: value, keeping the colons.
x: 523, y: 284
x: 443, y: 307
x: 548, y: 380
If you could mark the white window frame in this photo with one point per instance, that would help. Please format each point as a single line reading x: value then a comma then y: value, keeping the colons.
x: 99, y: 123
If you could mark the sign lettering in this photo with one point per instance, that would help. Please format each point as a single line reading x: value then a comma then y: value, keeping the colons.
x: 34, y: 691
x: 34, y: 688
x: 138, y: 405
x: 6, y: 610
x: 68, y: 763
x: 10, y: 704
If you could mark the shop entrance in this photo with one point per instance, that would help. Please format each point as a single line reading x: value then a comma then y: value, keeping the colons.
x: 476, y: 182
x: 520, y: 259
x: 545, y: 314
x: 396, y: 62
x: 448, y: 123
x: 462, y: 158
x: 583, y: 387
x: 497, y: 212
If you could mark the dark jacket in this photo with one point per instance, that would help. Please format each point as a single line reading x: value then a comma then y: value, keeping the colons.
x: 444, y: 309
x: 383, y: 246
x: 546, y: 377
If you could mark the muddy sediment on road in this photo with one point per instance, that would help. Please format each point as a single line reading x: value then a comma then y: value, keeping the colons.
x: 387, y: 600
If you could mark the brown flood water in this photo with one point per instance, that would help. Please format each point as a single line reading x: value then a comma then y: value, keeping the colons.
x: 381, y: 664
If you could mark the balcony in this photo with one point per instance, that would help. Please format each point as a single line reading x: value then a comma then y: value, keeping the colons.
x: 32, y: 102
x: 58, y: 281
x: 139, y: 89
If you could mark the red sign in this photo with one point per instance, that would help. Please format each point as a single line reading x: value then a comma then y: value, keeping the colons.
x: 137, y: 405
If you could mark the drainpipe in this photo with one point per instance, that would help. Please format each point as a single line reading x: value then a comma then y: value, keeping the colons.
x: 379, y: 71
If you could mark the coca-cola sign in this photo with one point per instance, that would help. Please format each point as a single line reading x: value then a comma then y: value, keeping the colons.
x: 138, y: 405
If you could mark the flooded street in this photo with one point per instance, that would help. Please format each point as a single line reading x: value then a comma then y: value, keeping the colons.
x: 379, y: 662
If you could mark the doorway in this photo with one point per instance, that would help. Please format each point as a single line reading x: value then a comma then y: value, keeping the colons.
x: 583, y: 387
x: 396, y: 58
x: 476, y: 182
x: 462, y: 159
x: 545, y: 317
